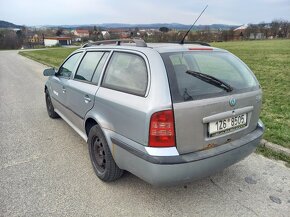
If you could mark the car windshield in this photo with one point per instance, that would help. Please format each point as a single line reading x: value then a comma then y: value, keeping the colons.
x: 221, y: 65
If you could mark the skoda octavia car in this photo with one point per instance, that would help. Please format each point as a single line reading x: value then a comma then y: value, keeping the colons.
x: 168, y: 113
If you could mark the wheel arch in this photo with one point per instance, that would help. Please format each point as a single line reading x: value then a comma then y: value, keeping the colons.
x: 95, y: 118
x: 89, y: 123
x: 92, y: 120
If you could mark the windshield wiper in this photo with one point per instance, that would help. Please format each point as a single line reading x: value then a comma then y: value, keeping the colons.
x: 211, y: 80
x: 186, y: 96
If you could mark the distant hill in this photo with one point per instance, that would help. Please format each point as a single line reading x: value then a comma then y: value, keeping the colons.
x: 168, y: 25
x: 177, y: 26
x: 5, y: 24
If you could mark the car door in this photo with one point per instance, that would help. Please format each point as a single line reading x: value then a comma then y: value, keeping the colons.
x: 60, y: 80
x: 82, y: 88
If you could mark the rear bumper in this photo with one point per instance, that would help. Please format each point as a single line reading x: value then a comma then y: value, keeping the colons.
x: 170, y: 170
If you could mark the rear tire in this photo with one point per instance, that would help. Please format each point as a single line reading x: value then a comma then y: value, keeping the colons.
x: 50, y: 109
x: 103, y: 163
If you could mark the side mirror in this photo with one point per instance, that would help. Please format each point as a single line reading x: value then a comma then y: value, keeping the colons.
x: 49, y: 72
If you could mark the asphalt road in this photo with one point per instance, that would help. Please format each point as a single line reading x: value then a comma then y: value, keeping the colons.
x: 45, y: 168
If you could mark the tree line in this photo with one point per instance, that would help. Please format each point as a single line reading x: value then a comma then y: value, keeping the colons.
x: 276, y: 29
x: 10, y: 39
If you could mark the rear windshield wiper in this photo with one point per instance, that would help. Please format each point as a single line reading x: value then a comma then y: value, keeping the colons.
x: 211, y: 80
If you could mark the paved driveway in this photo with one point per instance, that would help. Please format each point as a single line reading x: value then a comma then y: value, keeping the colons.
x: 45, y: 168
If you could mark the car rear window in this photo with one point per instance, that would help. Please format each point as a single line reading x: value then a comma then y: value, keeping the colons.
x: 221, y: 65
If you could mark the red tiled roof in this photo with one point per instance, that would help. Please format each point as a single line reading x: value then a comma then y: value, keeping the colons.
x: 58, y: 38
x: 83, y: 31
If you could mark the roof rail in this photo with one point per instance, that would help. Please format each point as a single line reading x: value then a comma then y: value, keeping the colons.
x: 138, y: 41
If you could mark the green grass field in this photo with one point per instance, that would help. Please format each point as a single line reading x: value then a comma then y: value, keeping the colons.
x: 50, y: 57
x: 269, y: 60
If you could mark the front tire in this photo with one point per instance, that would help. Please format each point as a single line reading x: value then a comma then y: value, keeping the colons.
x: 103, y: 163
x: 50, y: 109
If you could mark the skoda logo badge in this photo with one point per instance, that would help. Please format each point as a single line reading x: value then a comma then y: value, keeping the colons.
x: 233, y: 102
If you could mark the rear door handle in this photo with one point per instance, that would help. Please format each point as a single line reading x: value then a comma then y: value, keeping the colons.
x: 87, y: 99
x: 63, y: 89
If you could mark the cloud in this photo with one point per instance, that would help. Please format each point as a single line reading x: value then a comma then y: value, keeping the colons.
x: 36, y: 12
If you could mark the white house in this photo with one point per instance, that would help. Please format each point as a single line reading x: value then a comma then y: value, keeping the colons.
x: 106, y: 35
x: 83, y: 33
x: 52, y: 41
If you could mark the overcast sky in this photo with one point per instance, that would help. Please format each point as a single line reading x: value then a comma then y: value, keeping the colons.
x: 52, y: 12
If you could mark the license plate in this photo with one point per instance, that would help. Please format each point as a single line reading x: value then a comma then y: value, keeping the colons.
x: 226, y: 125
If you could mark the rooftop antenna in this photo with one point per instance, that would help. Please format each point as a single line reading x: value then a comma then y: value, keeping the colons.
x: 182, y: 41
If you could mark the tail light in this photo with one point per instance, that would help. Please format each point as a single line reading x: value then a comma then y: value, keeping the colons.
x: 162, y: 133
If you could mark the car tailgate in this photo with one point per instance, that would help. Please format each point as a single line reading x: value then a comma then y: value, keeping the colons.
x: 192, y: 120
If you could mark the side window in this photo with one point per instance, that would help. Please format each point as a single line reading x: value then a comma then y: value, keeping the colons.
x: 67, y: 68
x: 126, y: 72
x: 100, y: 68
x: 89, y: 65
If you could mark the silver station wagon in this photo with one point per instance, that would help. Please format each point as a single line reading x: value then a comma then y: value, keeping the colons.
x: 168, y: 113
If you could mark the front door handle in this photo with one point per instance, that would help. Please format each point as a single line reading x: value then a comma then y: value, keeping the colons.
x: 63, y: 89
x: 87, y: 99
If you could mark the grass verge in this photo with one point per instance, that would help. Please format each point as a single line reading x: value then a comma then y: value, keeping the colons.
x: 273, y: 155
x: 51, y: 57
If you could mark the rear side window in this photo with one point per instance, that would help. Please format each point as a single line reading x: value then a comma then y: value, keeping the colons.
x: 126, y: 72
x: 221, y: 65
x: 89, y: 66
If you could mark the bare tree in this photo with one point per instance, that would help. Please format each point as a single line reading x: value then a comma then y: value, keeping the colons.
x: 284, y: 28
x: 275, y: 26
x: 9, y: 40
x: 261, y: 27
x: 59, y: 32
x: 227, y: 35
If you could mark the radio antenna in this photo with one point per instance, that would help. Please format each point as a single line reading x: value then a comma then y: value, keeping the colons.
x: 182, y: 41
